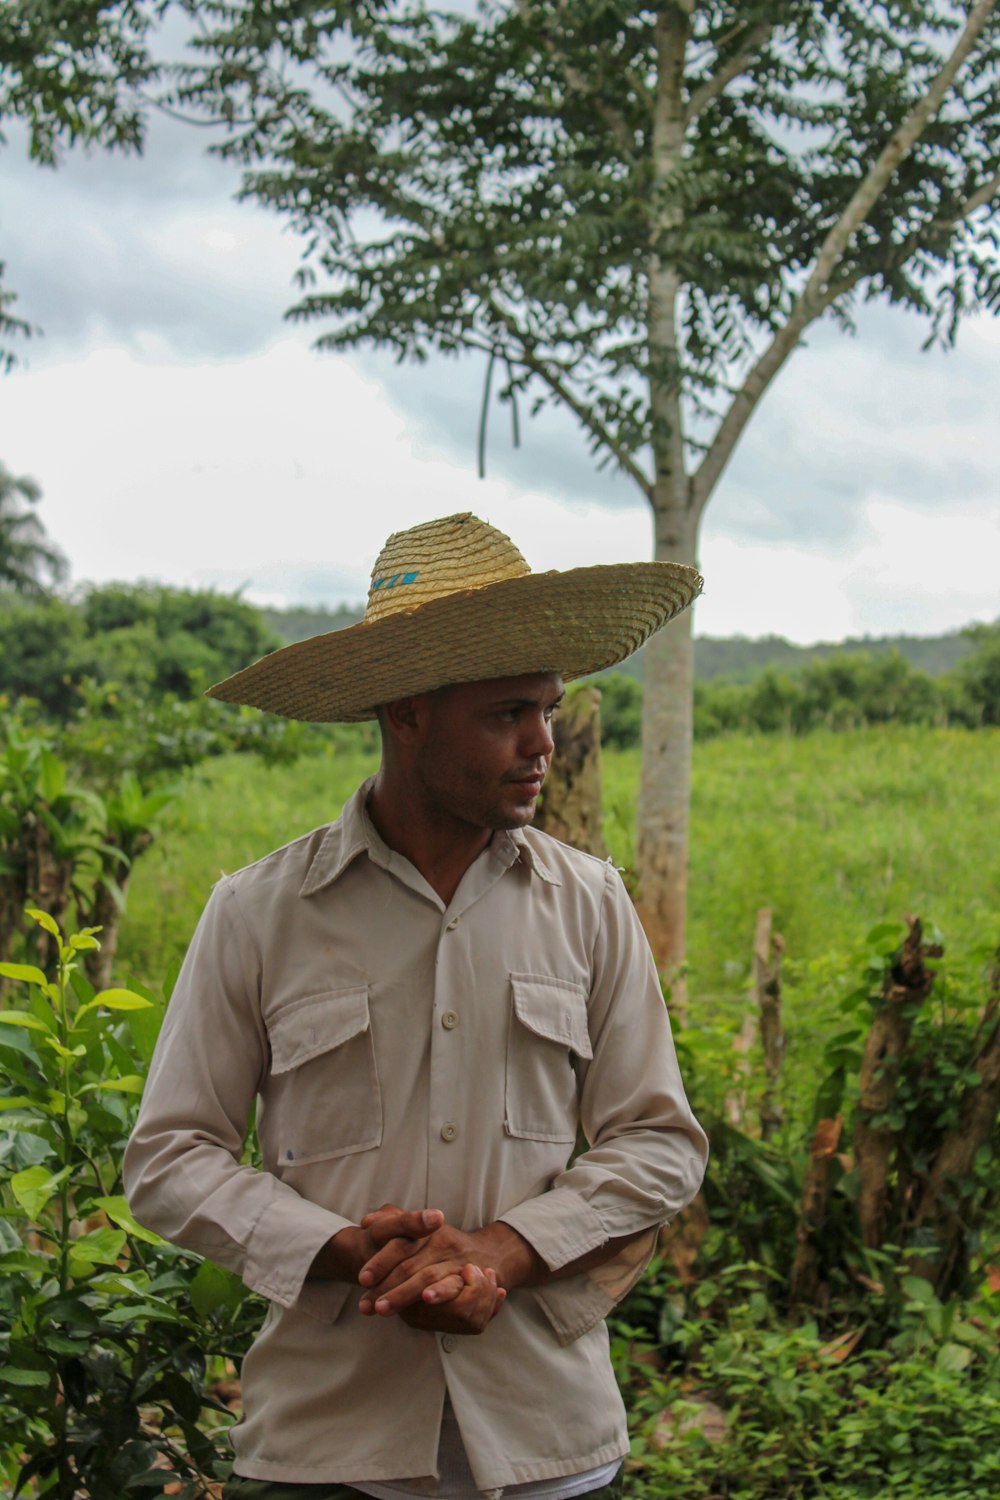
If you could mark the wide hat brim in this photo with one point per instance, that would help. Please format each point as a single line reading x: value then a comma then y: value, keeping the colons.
x: 574, y: 623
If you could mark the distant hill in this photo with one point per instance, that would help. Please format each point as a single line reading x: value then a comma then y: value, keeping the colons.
x: 300, y: 622
x: 742, y: 659
x: 734, y: 657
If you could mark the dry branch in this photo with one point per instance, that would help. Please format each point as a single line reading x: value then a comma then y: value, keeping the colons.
x: 907, y: 985
x: 940, y: 1205
x: 805, y: 1268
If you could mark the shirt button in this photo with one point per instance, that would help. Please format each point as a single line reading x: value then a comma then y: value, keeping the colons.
x: 448, y: 1342
x: 449, y: 1130
x: 453, y: 923
x: 449, y: 1020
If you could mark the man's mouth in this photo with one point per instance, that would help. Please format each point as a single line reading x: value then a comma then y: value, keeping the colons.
x: 531, y: 782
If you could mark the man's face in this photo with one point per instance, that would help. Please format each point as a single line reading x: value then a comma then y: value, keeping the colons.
x: 487, y: 748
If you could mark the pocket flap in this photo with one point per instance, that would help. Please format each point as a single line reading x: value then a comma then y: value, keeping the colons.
x: 309, y: 1027
x: 553, y: 1008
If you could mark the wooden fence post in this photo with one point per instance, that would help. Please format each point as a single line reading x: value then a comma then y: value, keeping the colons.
x: 767, y: 955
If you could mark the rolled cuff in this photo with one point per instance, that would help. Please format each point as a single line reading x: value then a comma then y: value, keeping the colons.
x: 578, y: 1304
x: 559, y: 1224
x: 283, y: 1245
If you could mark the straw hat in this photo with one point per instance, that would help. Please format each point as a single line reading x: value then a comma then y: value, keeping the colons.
x: 454, y: 601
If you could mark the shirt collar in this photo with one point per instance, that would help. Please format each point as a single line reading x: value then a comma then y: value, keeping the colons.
x: 354, y: 833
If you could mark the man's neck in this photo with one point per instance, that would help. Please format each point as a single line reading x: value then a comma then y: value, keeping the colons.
x: 442, y: 849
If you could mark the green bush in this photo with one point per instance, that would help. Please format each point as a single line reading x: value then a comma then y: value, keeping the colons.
x: 110, y: 1339
x: 147, y: 640
x: 739, y: 1406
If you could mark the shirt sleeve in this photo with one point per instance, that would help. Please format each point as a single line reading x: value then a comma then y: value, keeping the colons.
x: 646, y: 1152
x: 183, y: 1173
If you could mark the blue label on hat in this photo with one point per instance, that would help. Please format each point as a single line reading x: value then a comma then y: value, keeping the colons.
x: 390, y: 583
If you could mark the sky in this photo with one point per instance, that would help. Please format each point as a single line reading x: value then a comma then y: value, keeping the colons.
x: 183, y: 432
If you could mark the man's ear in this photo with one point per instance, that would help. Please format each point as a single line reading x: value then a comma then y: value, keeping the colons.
x: 406, y: 718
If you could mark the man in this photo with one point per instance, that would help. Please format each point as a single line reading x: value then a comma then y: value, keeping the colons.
x: 430, y: 1001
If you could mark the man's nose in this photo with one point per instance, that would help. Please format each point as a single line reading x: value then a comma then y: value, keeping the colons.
x: 538, y: 740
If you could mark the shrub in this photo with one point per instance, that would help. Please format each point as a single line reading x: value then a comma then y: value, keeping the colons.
x: 110, y: 1339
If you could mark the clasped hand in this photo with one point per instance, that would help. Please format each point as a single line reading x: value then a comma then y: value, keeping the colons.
x: 434, y: 1276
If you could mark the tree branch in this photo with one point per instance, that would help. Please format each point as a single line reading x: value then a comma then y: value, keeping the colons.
x: 523, y: 354
x: 713, y: 87
x: 614, y: 120
x: 984, y: 194
x: 821, y: 290
x: 586, y: 418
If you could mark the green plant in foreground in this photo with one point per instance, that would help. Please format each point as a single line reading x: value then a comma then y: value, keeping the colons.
x: 103, y: 1326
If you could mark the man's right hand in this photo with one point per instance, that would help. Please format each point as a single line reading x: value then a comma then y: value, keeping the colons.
x: 343, y: 1256
x: 463, y: 1302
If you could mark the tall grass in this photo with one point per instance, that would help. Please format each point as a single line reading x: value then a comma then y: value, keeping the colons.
x: 835, y: 832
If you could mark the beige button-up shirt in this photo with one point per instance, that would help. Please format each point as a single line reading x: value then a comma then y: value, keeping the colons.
x: 431, y: 1056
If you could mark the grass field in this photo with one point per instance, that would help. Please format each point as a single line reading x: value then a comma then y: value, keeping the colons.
x: 836, y: 832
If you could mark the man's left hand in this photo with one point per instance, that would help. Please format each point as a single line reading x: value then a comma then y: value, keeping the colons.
x: 431, y: 1274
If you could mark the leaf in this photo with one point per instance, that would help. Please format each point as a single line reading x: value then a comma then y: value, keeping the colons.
x: 22, y: 1018
x: 18, y: 1102
x: 131, y: 1083
x: 215, y: 1287
x: 118, y: 1212
x: 52, y: 778
x: 155, y: 1312
x: 843, y: 1345
x: 27, y: 973
x: 115, y: 1000
x: 61, y: 1051
x: 919, y: 1290
x: 12, y: 1375
x: 885, y: 933
x: 15, y: 1042
x: 46, y: 920
x: 953, y: 1358
x: 35, y: 1186
x: 102, y: 1247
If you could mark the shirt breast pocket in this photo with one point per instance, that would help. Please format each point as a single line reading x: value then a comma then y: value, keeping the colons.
x: 323, y: 1097
x: 548, y: 1032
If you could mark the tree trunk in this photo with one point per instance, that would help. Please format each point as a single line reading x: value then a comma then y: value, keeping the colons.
x: 668, y: 707
x: 661, y: 855
x: 571, y: 808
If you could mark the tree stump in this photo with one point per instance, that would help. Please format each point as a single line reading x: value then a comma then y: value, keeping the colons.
x: 570, y: 808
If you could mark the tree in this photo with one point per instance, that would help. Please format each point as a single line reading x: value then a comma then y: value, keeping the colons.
x: 634, y: 211
x: 73, y: 72
x: 29, y: 563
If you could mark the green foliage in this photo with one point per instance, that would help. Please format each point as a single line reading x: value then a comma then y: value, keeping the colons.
x: 29, y: 564
x: 839, y: 691
x: 147, y: 641
x: 493, y: 181
x: 979, y: 675
x: 104, y: 1372
x: 747, y: 1408
x: 741, y: 660
x: 621, y: 710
